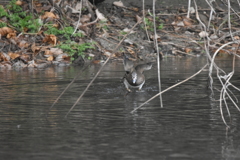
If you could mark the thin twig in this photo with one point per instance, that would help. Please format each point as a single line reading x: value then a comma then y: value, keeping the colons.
x: 158, y: 55
x: 189, y: 6
x: 170, y: 88
x: 79, y: 18
x: 144, y: 22
x: 229, y: 20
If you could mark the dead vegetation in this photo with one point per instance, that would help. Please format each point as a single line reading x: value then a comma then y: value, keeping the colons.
x: 59, y: 32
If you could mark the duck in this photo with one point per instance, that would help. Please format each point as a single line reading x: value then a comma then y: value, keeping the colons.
x: 134, y: 77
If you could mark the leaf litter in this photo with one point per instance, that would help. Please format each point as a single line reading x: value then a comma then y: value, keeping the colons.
x: 58, y: 33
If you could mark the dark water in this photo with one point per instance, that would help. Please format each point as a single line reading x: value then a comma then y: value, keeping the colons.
x: 101, y: 126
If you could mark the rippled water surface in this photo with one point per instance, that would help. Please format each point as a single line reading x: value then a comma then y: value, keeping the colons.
x: 189, y: 126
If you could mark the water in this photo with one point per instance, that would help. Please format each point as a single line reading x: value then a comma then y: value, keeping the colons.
x: 100, y: 127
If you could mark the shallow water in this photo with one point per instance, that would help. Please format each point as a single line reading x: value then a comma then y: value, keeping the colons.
x: 189, y: 125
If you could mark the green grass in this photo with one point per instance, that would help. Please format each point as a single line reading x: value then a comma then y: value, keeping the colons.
x: 66, y: 31
x: 25, y: 22
x: 19, y: 19
x: 74, y: 49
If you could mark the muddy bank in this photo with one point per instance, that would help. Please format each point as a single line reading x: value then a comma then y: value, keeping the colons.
x: 102, y: 27
x: 167, y: 4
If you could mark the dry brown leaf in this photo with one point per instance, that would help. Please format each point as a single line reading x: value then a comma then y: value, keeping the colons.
x: 18, y: 2
x: 67, y: 58
x: 37, y: 4
x: 25, y: 58
x: 3, y: 57
x: 34, y: 48
x: 56, y: 51
x: 96, y: 61
x: 13, y: 55
x: 86, y: 29
x: 188, y: 50
x: 130, y: 51
x: 134, y: 9
x: 47, y: 53
x: 49, y: 15
x: 236, y: 37
x: 51, y: 39
x: 85, y: 18
x: 11, y: 35
x: 6, y: 31
x: 187, y: 21
x: 23, y: 44
x: 6, y: 65
x: 56, y: 25
x: 139, y: 19
x: 50, y: 58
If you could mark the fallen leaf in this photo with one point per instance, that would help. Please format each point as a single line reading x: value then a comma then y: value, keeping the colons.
x: 78, y: 6
x: 85, y: 18
x: 25, y: 58
x: 61, y: 57
x: 32, y: 64
x: 203, y: 34
x: 85, y: 29
x: 191, y: 10
x: 100, y: 16
x: 139, y: 19
x: 34, y: 48
x: 18, y: 2
x: 214, y: 36
x: 128, y: 30
x: 188, y: 50
x: 5, y: 31
x: 236, y: 37
x: 187, y: 21
x: 13, y: 55
x: 118, y: 3
x: 6, y: 65
x: 50, y: 58
x: 180, y: 24
x: 51, y: 39
x: 11, y: 35
x: 56, y: 51
x: 130, y: 51
x: 96, y: 61
x: 49, y: 15
x: 47, y: 53
x: 134, y: 9
x: 37, y: 4
x: 108, y: 54
x: 23, y: 44
x: 4, y: 57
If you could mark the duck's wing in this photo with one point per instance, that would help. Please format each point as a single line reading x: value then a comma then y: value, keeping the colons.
x: 128, y: 64
x: 143, y: 67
